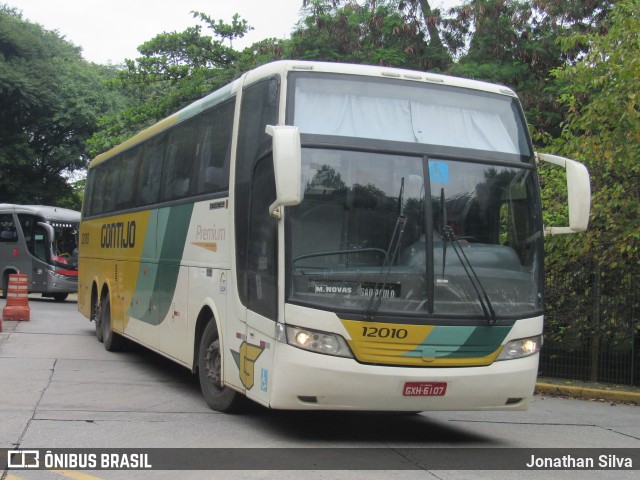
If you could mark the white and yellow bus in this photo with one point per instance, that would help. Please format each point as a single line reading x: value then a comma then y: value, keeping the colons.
x: 327, y: 236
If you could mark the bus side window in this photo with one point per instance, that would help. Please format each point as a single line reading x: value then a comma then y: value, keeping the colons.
x: 179, y: 161
x: 8, y: 231
x: 150, y: 171
x: 27, y: 224
x: 102, y: 195
x: 214, y: 149
x: 112, y: 179
x: 125, y: 197
x: 40, y: 242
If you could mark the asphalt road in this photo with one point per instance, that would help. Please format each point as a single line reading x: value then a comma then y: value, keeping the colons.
x: 59, y: 389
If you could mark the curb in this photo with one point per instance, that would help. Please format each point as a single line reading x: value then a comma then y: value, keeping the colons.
x: 588, y: 393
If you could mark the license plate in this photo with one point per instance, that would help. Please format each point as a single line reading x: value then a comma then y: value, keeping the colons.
x: 424, y: 389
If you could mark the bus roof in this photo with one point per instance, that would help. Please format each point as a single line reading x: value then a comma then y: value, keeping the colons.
x: 281, y: 67
x: 49, y: 213
x: 373, y: 71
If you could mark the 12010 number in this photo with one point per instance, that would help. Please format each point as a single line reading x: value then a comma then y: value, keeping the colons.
x: 375, y: 332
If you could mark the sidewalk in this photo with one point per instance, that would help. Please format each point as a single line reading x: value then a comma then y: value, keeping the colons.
x: 588, y: 390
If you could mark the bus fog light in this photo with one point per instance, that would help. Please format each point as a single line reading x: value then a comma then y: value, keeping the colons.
x: 520, y: 348
x: 319, y: 342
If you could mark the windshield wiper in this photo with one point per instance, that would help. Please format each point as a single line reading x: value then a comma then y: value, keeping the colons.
x: 448, y: 235
x: 389, y: 258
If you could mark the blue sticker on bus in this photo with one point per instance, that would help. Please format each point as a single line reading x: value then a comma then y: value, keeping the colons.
x: 264, y: 379
x: 439, y: 171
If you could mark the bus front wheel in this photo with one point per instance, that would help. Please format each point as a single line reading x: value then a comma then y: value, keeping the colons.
x: 217, y: 396
x: 5, y: 284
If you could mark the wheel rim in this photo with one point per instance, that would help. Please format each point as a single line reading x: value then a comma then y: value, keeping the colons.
x: 213, y: 365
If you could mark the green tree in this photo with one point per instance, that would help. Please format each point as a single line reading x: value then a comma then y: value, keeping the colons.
x: 512, y: 42
x: 173, y: 70
x: 50, y: 101
x: 602, y: 129
x: 371, y: 32
x: 591, y: 295
x: 515, y: 42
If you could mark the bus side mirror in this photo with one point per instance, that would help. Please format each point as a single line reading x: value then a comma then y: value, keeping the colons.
x: 287, y: 158
x: 579, y: 194
x: 51, y: 235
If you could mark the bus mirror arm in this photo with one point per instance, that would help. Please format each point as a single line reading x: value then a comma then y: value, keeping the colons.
x: 287, y: 157
x: 50, y: 232
x: 578, y: 192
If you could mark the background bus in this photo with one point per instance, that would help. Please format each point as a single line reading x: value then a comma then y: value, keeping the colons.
x: 327, y: 236
x: 41, y: 242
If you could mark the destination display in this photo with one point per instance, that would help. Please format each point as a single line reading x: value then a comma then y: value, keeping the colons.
x: 361, y: 289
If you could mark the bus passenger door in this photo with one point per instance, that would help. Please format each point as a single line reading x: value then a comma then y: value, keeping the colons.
x: 262, y: 279
x: 40, y: 246
x: 256, y: 239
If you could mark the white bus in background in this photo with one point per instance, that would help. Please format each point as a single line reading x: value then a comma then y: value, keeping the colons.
x: 41, y: 242
x: 328, y: 236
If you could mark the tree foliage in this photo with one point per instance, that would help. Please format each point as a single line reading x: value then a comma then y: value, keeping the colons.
x: 602, y: 129
x: 173, y: 70
x: 375, y: 32
x: 50, y: 101
x: 512, y: 42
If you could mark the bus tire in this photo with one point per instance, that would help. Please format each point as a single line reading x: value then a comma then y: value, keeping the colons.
x: 112, y: 341
x: 60, y: 297
x: 97, y: 317
x: 218, y: 397
x: 5, y: 284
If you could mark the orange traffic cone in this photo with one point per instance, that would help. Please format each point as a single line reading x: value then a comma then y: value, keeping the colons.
x: 17, y: 306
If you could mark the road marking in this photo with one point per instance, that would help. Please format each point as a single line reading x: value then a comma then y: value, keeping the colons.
x: 76, y: 475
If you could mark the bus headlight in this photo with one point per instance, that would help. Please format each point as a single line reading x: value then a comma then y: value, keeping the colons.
x: 314, y: 341
x: 520, y: 348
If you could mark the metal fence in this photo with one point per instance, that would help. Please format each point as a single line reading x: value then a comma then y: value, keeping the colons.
x: 592, y: 327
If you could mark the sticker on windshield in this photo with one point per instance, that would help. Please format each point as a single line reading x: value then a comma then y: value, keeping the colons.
x: 439, y: 171
x: 364, y: 289
x: 384, y: 291
x: 327, y: 287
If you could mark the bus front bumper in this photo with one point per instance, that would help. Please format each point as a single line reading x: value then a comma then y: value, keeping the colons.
x: 56, y: 283
x: 310, y: 381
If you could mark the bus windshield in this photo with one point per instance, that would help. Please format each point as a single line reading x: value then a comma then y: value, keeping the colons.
x: 65, y: 243
x: 401, y: 111
x: 450, y: 228
x: 348, y: 245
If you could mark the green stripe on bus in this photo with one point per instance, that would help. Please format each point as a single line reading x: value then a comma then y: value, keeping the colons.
x: 463, y: 341
x: 157, y: 280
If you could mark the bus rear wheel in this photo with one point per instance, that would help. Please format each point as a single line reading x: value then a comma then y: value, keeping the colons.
x: 96, y: 317
x: 217, y: 396
x: 112, y: 341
